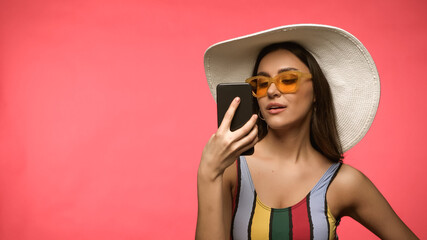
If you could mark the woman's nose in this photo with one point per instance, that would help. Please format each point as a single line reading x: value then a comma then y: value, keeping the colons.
x: 272, y: 90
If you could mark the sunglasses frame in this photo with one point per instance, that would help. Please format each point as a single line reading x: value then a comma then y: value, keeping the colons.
x: 276, y: 78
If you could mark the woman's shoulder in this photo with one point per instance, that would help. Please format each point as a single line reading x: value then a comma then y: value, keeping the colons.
x: 348, y: 175
x: 348, y: 189
x: 350, y: 180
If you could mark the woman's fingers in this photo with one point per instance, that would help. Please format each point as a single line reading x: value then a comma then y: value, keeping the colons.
x: 228, y: 117
x: 245, y: 129
x: 225, y: 146
x: 249, y: 140
x: 224, y: 128
x: 252, y: 144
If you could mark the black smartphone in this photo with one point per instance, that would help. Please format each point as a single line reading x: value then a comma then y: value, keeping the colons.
x: 225, y: 93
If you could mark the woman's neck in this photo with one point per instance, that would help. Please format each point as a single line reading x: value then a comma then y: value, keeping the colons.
x: 291, y: 144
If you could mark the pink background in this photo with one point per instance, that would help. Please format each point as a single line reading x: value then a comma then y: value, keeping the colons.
x: 105, y: 109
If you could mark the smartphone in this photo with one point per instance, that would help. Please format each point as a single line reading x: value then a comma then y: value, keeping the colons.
x: 225, y: 93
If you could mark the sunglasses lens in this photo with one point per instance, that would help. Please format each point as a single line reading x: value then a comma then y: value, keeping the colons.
x: 259, y: 86
x: 262, y: 87
x: 288, y: 83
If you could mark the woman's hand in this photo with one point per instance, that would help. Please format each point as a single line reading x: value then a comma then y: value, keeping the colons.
x: 225, y: 146
x: 214, y: 193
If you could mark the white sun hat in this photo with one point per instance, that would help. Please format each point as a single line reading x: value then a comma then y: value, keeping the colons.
x: 345, y: 62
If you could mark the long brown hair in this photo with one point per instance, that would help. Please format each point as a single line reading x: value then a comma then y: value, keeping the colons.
x: 323, y: 127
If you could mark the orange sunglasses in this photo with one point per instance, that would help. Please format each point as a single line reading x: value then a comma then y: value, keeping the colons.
x: 286, y: 82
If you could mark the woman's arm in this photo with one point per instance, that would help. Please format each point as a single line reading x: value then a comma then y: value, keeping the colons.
x: 361, y: 200
x: 211, y: 208
x: 214, y: 195
x: 214, y: 198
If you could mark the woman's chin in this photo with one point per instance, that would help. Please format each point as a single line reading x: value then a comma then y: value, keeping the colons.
x: 279, y: 125
x: 285, y: 124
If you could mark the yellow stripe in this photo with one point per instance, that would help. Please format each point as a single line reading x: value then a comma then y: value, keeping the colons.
x: 260, y: 222
x: 332, y: 227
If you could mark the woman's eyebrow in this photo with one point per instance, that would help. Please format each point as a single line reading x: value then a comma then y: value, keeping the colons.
x: 280, y: 71
x: 263, y: 74
x: 286, y: 69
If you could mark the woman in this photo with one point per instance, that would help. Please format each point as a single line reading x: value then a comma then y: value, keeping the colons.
x: 294, y: 186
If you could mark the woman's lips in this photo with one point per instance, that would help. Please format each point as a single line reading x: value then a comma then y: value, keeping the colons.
x: 274, y: 108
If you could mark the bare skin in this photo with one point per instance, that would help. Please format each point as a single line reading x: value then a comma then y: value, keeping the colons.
x: 284, y: 162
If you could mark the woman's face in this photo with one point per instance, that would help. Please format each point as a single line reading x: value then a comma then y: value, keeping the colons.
x: 280, y: 110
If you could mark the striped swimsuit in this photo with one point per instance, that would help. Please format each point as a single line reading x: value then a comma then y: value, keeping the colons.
x: 308, y: 219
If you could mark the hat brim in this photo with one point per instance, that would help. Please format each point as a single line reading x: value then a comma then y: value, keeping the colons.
x: 345, y: 62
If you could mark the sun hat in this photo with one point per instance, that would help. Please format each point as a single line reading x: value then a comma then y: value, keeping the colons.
x: 345, y: 62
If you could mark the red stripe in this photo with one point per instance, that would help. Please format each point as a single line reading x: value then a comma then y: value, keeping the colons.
x: 235, y: 198
x: 300, y: 222
x: 237, y: 186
